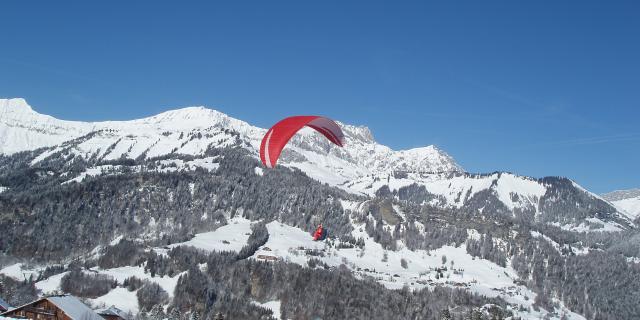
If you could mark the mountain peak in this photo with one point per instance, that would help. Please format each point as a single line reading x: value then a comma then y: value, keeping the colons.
x: 196, y: 113
x: 15, y: 104
x: 361, y: 133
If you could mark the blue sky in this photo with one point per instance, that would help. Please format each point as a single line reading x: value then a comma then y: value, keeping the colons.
x: 539, y: 88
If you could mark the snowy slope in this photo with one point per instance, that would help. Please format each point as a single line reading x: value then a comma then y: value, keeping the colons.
x: 629, y: 206
x: 21, y: 128
x: 627, y: 201
x: 231, y: 237
x: 456, y: 189
x: 21, y: 272
x: 121, y: 298
x: 51, y: 284
x: 460, y: 270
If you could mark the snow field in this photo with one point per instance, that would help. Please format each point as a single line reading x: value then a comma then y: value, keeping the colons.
x: 630, y: 207
x: 20, y: 272
x: 51, y: 284
x: 119, y: 297
x: 231, y: 237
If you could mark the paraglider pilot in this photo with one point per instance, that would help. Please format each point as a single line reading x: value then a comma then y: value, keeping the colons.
x: 319, y: 234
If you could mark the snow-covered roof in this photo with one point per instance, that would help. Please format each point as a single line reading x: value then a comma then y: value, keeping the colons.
x: 113, y: 311
x: 74, y: 308
x: 4, y: 305
x: 70, y: 305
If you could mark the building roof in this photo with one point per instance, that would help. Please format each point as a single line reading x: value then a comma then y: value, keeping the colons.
x: 4, y: 305
x: 70, y: 305
x: 113, y: 311
x: 74, y: 308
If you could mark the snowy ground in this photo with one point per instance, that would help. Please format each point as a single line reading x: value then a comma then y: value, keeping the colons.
x: 51, y: 284
x: 231, y: 237
x: 121, y: 298
x: 630, y: 206
x: 20, y: 272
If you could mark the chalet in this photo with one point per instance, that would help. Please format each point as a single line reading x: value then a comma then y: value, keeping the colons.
x: 62, y: 307
x: 113, y: 313
x: 4, y: 306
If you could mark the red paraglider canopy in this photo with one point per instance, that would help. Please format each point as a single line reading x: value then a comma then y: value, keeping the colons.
x: 277, y: 137
x: 317, y: 235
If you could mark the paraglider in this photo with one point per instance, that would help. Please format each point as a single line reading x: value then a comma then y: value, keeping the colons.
x: 320, y: 233
x: 277, y: 137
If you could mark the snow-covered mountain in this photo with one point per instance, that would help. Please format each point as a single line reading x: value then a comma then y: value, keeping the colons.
x: 192, y: 130
x: 409, y: 219
x: 627, y: 201
x: 362, y: 167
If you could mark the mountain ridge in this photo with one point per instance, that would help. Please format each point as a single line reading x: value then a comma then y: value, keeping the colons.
x: 22, y: 128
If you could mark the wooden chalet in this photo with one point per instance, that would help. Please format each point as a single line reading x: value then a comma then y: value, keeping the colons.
x: 62, y: 307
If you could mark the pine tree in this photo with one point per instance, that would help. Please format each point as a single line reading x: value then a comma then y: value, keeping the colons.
x: 156, y: 313
x: 445, y: 314
x: 175, y: 314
